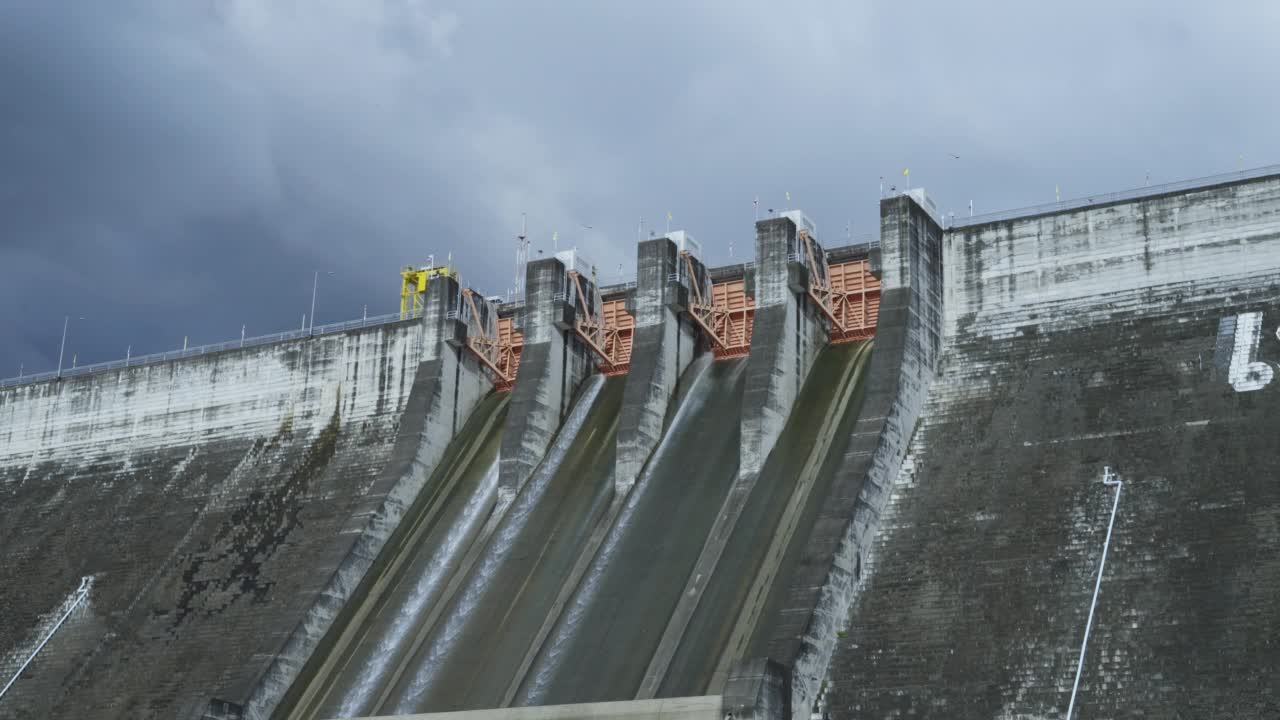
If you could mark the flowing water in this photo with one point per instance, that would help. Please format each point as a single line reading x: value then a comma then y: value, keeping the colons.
x: 424, y: 680
x: 410, y: 573
x: 603, y: 643
x: 763, y: 548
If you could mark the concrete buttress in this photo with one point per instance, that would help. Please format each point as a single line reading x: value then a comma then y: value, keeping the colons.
x: 666, y: 341
x: 907, y: 347
x: 552, y: 365
x: 789, y: 331
x: 447, y: 386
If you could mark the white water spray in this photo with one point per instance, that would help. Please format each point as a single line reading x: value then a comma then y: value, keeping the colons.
x: 424, y: 591
x: 549, y: 663
x: 498, y: 551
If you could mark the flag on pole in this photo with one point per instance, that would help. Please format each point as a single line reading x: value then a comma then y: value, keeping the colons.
x: 906, y: 171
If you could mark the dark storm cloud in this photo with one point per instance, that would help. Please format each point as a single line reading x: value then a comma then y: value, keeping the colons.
x: 171, y: 169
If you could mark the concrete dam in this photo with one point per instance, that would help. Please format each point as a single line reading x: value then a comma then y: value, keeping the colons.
x: 1009, y: 466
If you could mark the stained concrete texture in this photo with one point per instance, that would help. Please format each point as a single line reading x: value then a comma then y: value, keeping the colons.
x: 606, y: 636
x: 211, y: 500
x: 665, y: 342
x: 437, y: 636
x: 1139, y: 336
x: 982, y: 581
x: 760, y: 556
x: 553, y: 362
x: 376, y: 629
x: 806, y: 616
x: 502, y: 620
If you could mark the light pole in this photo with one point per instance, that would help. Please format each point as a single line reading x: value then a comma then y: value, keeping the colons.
x: 315, y: 283
x: 66, y: 320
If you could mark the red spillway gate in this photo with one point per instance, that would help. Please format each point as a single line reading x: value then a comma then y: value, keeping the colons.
x: 605, y: 326
x: 497, y: 344
x: 723, y: 310
x: 847, y: 293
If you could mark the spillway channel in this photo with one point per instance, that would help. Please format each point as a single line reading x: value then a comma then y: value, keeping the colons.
x: 603, y: 642
x: 764, y: 547
x: 414, y: 566
x: 473, y: 662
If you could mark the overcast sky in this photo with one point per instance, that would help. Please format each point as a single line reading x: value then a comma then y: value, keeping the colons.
x: 172, y: 169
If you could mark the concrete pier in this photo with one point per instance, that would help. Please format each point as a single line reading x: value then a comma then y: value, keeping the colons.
x: 666, y: 341
x: 552, y: 365
x: 446, y: 388
x: 225, y: 504
x: 787, y: 336
x: 907, y: 348
x: 789, y: 331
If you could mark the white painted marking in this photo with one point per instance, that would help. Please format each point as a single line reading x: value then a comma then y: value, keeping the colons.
x: 1109, y: 479
x: 1117, y: 433
x: 1245, y: 374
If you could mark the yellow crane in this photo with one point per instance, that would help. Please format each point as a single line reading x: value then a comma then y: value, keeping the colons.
x: 413, y: 287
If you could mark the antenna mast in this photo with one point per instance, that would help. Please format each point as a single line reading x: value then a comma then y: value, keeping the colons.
x: 522, y: 256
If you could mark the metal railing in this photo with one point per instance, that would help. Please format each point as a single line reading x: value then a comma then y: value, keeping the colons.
x: 869, y: 240
x: 1118, y: 196
x: 72, y: 602
x: 135, y: 361
x: 618, y: 285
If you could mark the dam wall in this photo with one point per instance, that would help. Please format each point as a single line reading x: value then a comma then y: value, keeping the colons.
x: 1131, y: 342
x: 552, y: 365
x: 448, y: 385
x: 910, y: 526
x: 809, y: 608
x: 192, y: 492
x: 224, y: 507
x: 789, y: 332
x: 666, y: 341
x: 787, y: 335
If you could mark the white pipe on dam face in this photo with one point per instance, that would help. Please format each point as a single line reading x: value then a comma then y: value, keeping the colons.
x: 1110, y: 479
x: 356, y: 701
x: 502, y: 545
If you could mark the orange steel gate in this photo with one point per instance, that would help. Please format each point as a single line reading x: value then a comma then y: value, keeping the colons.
x: 620, y: 330
x: 855, y: 301
x: 606, y: 327
x: 734, y: 318
x: 511, y: 342
x: 723, y: 310
x: 497, y: 345
x: 847, y: 293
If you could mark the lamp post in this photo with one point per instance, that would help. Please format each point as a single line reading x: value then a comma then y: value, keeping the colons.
x: 315, y: 283
x: 66, y: 320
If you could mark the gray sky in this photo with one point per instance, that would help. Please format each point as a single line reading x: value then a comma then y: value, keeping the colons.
x: 181, y: 168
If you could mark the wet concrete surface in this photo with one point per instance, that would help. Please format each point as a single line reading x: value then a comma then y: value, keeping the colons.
x: 501, y: 626
x: 410, y: 574
x: 803, y: 461
x: 607, y: 637
x: 981, y: 588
